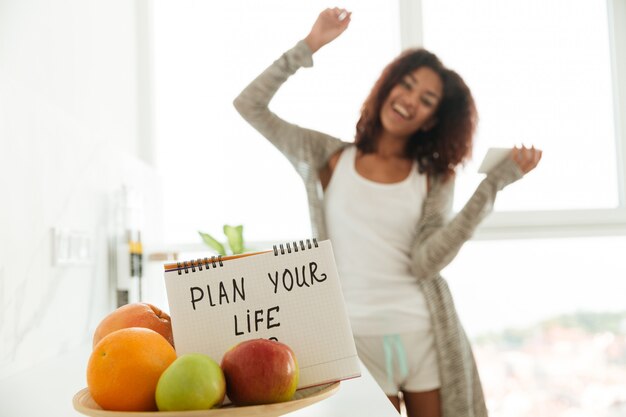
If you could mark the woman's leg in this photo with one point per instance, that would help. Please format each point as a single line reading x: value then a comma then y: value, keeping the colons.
x: 395, y: 400
x: 422, y: 404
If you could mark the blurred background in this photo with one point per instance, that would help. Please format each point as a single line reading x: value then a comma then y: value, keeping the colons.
x: 119, y: 142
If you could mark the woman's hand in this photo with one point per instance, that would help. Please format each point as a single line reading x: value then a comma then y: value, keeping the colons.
x: 526, y: 158
x: 329, y: 25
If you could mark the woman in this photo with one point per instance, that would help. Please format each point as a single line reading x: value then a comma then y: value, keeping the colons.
x: 384, y: 201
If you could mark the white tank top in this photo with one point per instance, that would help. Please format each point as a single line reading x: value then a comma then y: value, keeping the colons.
x: 371, y: 226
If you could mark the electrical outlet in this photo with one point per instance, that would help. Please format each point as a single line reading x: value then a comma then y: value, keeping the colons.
x: 70, y: 247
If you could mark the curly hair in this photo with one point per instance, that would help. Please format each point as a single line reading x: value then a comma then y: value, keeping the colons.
x: 449, y: 143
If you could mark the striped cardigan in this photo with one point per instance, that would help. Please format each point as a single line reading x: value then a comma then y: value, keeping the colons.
x: 438, y: 238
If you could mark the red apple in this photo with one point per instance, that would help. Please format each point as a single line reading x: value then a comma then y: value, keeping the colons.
x: 136, y: 315
x: 260, y: 371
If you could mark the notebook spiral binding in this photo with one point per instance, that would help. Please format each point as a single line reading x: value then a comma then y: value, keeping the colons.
x: 287, y: 248
x: 187, y: 265
x: 216, y: 261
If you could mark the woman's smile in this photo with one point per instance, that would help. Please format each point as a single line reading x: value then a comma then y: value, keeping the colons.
x: 401, y: 110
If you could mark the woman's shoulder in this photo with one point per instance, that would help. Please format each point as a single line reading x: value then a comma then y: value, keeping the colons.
x: 334, y: 159
x: 341, y: 150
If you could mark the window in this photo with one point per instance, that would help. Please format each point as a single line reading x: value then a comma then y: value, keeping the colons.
x: 542, y: 73
x: 541, y: 80
x: 215, y: 168
x: 548, y: 324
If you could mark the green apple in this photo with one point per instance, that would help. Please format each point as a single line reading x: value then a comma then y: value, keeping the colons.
x: 192, y: 382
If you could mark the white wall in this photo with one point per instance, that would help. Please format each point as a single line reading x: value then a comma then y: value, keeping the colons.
x: 68, y: 141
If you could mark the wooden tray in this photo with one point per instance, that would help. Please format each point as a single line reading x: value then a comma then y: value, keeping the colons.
x: 84, y: 404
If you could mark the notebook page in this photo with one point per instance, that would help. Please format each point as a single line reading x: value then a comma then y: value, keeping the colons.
x: 293, y: 297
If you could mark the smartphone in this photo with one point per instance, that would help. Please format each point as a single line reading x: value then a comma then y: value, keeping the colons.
x: 493, y: 158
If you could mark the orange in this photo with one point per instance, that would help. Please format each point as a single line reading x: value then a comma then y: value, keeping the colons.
x: 125, y: 366
x: 135, y: 315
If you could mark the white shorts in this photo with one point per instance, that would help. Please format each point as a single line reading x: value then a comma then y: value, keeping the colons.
x: 401, y: 362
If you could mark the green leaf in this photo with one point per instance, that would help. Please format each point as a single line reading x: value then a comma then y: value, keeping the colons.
x: 212, y: 243
x: 234, y: 234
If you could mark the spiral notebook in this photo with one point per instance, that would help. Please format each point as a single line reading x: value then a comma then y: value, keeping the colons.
x: 291, y: 294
